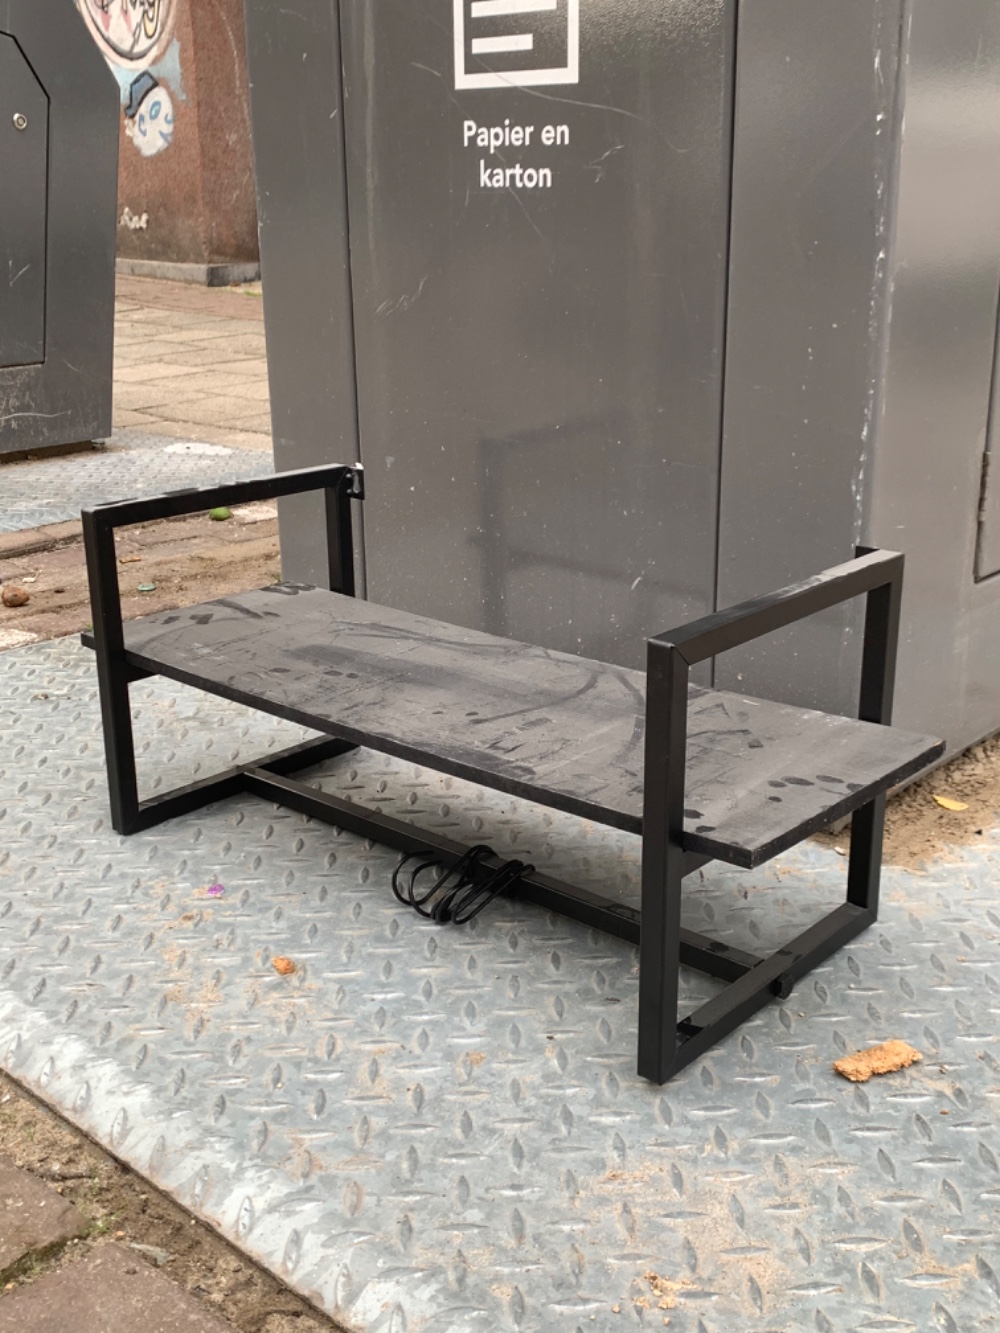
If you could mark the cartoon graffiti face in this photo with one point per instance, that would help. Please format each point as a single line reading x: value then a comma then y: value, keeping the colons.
x: 151, y: 129
x: 133, y: 33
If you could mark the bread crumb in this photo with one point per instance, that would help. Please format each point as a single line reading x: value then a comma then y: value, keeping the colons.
x: 883, y: 1059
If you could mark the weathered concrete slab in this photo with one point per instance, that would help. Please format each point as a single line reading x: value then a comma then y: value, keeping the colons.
x: 108, y: 1291
x: 33, y: 1218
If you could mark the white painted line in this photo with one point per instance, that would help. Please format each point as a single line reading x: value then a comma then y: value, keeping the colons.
x: 485, y: 9
x: 519, y: 41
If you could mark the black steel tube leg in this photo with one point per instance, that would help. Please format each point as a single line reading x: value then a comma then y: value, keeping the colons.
x: 663, y: 859
x: 864, y: 869
x: 113, y: 672
x: 878, y: 676
x: 881, y: 639
x: 340, y: 536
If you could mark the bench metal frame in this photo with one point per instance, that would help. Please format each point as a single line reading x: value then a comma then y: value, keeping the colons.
x: 667, y: 1042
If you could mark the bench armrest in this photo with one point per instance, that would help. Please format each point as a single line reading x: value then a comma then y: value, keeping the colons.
x: 750, y: 620
x: 670, y: 656
x: 195, y: 499
x: 340, y: 484
x: 876, y: 573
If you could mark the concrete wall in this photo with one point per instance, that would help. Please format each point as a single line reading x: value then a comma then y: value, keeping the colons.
x: 186, y: 187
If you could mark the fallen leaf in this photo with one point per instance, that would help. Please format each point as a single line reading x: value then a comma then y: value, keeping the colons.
x: 949, y: 803
x: 883, y: 1059
x: 283, y: 966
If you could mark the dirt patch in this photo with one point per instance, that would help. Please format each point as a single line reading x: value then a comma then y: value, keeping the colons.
x: 121, y: 1206
x: 918, y: 830
x: 181, y: 561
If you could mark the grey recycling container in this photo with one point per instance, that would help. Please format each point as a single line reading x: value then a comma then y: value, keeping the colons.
x: 635, y: 311
x: 58, y: 196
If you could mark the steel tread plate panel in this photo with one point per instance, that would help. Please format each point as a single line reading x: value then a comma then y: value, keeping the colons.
x: 134, y: 464
x: 441, y: 1130
x: 546, y: 726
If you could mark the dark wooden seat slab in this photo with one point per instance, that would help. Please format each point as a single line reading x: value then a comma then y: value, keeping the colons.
x: 559, y: 730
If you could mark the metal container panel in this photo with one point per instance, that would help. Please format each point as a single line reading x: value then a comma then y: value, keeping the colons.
x: 988, y: 551
x: 814, y: 161
x: 24, y: 150
x: 988, y: 556
x: 939, y: 370
x: 65, y: 397
x: 293, y: 59
x: 539, y: 320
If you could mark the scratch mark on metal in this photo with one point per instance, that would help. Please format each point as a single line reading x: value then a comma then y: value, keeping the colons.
x: 597, y: 166
x: 38, y: 416
x: 404, y: 302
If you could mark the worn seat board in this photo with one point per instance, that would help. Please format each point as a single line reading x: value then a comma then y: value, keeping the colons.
x: 560, y: 730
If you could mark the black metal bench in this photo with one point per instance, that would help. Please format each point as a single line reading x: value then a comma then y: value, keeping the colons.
x: 700, y: 774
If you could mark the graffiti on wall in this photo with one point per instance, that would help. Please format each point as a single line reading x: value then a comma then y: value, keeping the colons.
x: 138, y: 42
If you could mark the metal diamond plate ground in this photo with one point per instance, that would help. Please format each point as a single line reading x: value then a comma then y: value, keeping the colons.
x: 440, y: 1129
x: 53, y: 490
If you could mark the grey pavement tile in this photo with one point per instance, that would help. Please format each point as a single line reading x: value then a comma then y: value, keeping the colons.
x: 172, y: 354
x: 157, y: 393
x: 258, y: 422
x: 258, y: 390
x: 213, y: 410
x: 242, y: 342
x: 250, y: 366
x: 216, y: 331
x: 230, y: 436
x: 126, y: 418
x: 204, y: 356
x: 142, y: 371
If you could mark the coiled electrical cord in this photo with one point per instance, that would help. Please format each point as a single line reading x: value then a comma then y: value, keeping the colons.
x: 460, y: 891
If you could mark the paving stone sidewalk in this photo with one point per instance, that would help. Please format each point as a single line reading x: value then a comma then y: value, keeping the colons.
x: 191, y: 364
x: 110, y: 1290
x: 33, y: 1218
